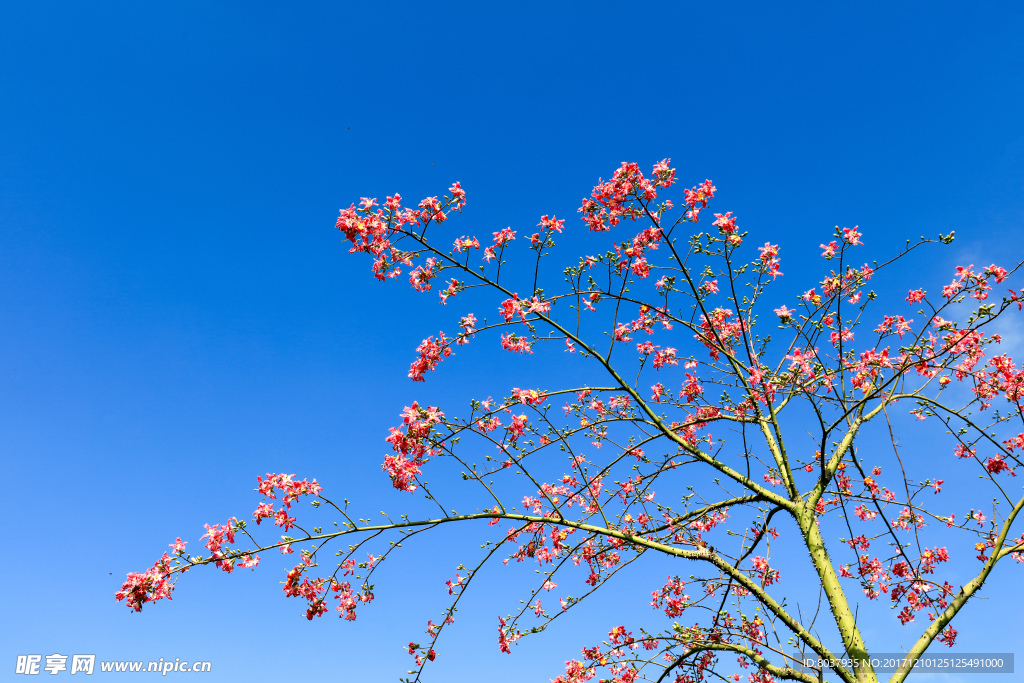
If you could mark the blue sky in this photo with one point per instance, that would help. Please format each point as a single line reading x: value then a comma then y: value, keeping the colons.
x: 178, y: 314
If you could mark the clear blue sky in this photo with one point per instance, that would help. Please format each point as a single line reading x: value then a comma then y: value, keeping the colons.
x: 177, y: 314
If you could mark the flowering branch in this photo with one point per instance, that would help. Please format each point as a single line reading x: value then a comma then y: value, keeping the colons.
x: 598, y: 515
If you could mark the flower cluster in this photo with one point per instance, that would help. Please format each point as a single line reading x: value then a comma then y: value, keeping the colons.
x: 624, y: 196
x: 411, y: 443
x: 154, y: 584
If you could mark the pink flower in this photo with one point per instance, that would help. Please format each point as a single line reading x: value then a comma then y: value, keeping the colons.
x: 503, y: 237
x: 829, y: 249
x: 851, y: 236
x: 692, y: 388
x: 948, y: 636
x: 865, y: 514
x: 641, y: 268
x: 768, y: 575
x: 431, y: 353
x: 710, y: 287
x: 784, y: 313
x: 458, y: 195
x: 551, y: 223
x: 155, y: 584
x: 699, y: 194
x: 263, y: 510
x: 665, y: 176
x: 770, y: 259
x: 663, y: 357
x: 421, y: 276
x: 998, y: 273
x: 465, y: 243
x: 996, y: 464
x: 726, y: 223
x: 402, y: 471
x: 962, y: 451
x: 510, y: 342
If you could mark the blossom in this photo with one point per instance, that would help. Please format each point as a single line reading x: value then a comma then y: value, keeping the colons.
x: 468, y: 324
x: 465, y: 243
x: 768, y: 576
x: 431, y: 209
x: 770, y: 259
x: 699, y: 194
x: 864, y: 514
x: 691, y: 388
x: 726, y: 223
x: 402, y: 472
x: 509, y: 308
x: 610, y: 202
x: 218, y: 535
x: 836, y: 337
x: 894, y: 324
x: 665, y: 176
x: 551, y: 223
x: 851, y: 236
x: 785, y: 315
x: 1000, y: 274
x: 671, y: 597
x: 829, y: 249
x: 641, y: 268
x: 412, y: 446
x: 458, y: 194
x: 961, y: 451
x: 141, y: 588
x: 510, y: 342
x: 503, y: 237
x: 996, y: 464
x: 718, y: 331
x: 530, y: 397
x: 431, y: 353
x: 622, y: 333
x: 948, y: 636
x: 421, y: 276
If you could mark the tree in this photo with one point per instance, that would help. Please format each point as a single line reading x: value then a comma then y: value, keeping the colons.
x: 789, y: 410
